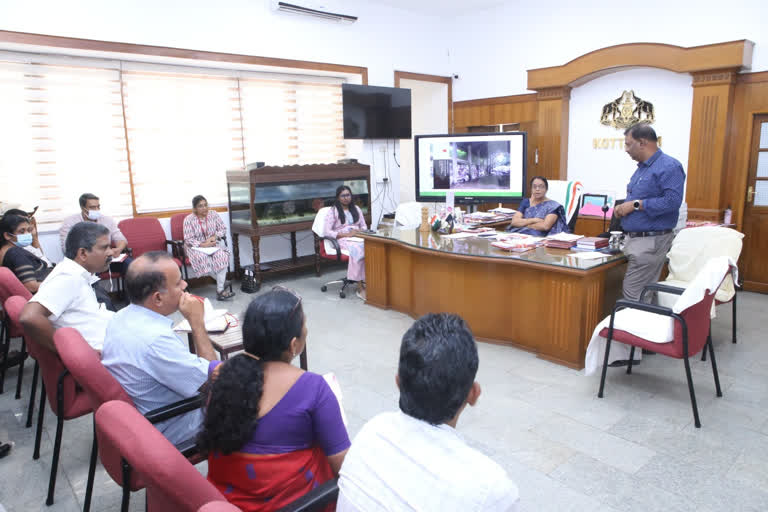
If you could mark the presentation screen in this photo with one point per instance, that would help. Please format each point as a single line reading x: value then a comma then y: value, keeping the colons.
x: 477, y: 167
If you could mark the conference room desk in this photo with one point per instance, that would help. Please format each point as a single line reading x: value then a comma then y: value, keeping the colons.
x: 545, y: 300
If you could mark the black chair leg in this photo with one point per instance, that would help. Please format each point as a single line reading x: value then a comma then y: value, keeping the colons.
x: 55, y: 460
x: 126, y: 487
x: 91, y: 471
x: 20, y: 377
x: 32, y: 394
x: 631, y: 359
x: 733, y: 327
x: 40, y: 414
x: 6, y: 350
x: 709, y: 342
x: 690, y: 390
x: 714, y: 369
x: 605, y: 365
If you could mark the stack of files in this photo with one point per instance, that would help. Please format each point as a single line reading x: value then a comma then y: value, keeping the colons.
x: 592, y: 242
x: 562, y: 240
x: 513, y: 245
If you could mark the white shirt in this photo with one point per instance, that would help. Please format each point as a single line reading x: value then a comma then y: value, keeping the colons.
x: 68, y: 295
x: 399, y: 463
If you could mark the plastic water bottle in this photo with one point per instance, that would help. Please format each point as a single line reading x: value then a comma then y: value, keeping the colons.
x: 728, y: 215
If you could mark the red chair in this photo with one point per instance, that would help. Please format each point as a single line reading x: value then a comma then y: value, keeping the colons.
x: 322, y: 253
x: 84, y: 363
x: 690, y: 335
x: 10, y: 286
x: 145, y: 234
x: 177, y: 236
x: 67, y: 401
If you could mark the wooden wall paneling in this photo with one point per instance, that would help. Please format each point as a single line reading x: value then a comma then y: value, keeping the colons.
x: 552, y: 136
x: 713, y: 94
x: 505, y: 109
x: 590, y: 226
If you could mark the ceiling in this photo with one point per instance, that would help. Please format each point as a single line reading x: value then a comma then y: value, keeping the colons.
x: 440, y: 6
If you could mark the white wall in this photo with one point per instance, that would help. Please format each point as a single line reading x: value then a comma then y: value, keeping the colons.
x: 607, y: 170
x: 492, y: 49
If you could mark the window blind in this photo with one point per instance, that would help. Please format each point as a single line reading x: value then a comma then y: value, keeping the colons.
x: 62, y: 134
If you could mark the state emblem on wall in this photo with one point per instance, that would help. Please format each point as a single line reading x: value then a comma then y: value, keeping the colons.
x: 627, y: 110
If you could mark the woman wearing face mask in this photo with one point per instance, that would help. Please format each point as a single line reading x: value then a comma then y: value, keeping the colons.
x: 15, y: 235
x: 35, y: 248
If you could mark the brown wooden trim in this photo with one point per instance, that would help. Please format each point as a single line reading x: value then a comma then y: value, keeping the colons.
x: 406, y: 75
x: 498, y: 100
x: 127, y: 147
x: 171, y: 213
x: 752, y: 286
x: 179, y: 53
x: 728, y: 55
x: 752, y: 78
x: 715, y: 77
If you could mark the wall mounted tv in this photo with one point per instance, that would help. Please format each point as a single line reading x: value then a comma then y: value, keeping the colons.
x: 376, y: 112
x: 477, y: 167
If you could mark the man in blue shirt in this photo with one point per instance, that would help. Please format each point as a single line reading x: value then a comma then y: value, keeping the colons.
x: 651, y: 210
x: 153, y: 365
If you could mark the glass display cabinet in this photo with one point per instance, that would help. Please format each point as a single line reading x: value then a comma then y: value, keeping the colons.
x: 275, y: 200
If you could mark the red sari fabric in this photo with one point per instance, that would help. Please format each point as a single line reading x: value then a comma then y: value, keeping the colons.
x: 256, y: 482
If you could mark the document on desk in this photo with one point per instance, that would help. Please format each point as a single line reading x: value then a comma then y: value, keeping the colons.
x: 460, y: 235
x: 589, y: 255
x: 118, y: 259
x: 206, y: 250
x: 355, y: 239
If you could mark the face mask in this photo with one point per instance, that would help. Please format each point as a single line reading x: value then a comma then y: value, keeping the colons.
x: 94, y: 214
x: 23, y: 240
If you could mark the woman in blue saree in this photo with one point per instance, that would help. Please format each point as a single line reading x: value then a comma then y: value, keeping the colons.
x: 539, y: 216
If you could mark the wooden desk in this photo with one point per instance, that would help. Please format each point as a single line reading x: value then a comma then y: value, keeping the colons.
x: 545, y: 300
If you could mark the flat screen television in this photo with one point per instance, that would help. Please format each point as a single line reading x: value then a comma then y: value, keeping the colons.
x: 372, y: 112
x: 477, y: 167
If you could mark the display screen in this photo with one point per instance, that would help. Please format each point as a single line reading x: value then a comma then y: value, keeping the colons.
x: 477, y: 167
x: 376, y: 112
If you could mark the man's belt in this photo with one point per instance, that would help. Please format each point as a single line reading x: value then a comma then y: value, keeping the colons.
x: 633, y: 234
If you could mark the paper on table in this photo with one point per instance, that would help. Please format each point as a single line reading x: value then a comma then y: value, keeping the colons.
x: 206, y: 250
x: 565, y: 237
x: 502, y: 210
x: 119, y: 258
x: 460, y: 235
x: 589, y: 255
x: 333, y: 383
x: 215, y: 319
x: 355, y: 239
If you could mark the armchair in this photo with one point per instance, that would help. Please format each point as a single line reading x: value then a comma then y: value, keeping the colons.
x: 10, y: 286
x: 100, y: 386
x: 145, y: 234
x: 568, y: 194
x: 179, y: 249
x: 679, y: 332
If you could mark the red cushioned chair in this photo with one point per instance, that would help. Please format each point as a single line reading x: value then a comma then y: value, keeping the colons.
x: 10, y: 286
x: 67, y: 401
x: 145, y: 234
x: 84, y: 364
x: 691, y: 334
x: 177, y: 236
x: 322, y: 253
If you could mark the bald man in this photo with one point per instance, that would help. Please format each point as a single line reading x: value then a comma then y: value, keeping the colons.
x: 142, y: 351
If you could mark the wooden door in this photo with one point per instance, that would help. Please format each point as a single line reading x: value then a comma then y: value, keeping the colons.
x: 755, y: 257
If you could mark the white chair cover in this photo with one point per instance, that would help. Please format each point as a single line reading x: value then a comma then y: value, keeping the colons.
x: 568, y: 194
x: 408, y: 214
x: 318, y: 227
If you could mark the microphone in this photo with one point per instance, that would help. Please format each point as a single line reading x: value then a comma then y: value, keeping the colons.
x: 605, y: 212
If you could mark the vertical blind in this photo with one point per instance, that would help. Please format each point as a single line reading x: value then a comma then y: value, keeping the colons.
x: 65, y: 130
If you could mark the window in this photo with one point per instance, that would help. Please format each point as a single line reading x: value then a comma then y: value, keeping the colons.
x: 69, y: 125
x: 61, y: 134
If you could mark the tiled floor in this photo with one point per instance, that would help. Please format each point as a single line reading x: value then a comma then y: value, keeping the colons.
x: 636, y: 449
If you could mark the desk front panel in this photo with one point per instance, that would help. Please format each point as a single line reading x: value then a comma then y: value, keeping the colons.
x: 544, y: 309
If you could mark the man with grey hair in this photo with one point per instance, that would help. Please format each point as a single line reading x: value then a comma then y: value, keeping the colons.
x: 66, y: 297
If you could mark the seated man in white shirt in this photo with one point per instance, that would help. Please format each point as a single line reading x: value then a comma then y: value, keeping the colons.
x: 414, y: 459
x: 141, y: 350
x: 66, y: 298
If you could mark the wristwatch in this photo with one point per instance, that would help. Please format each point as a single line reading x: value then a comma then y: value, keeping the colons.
x: 636, y: 204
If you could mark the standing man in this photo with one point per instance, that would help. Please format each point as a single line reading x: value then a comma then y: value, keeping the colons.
x: 651, y: 210
x: 90, y: 211
x: 144, y: 354
x: 66, y: 298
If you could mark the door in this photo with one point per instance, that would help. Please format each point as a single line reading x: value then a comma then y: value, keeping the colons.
x: 431, y: 102
x: 755, y: 258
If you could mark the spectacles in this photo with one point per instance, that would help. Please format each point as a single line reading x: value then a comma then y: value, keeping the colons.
x: 279, y: 288
x: 345, y: 195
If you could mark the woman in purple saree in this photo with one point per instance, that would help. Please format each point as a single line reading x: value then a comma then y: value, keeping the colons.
x: 539, y: 215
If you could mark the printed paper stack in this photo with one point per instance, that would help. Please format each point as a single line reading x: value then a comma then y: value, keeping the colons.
x: 562, y: 240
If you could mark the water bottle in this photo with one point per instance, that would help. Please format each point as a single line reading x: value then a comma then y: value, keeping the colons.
x: 728, y: 215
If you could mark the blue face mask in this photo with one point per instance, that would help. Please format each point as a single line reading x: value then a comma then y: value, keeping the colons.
x: 23, y: 240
